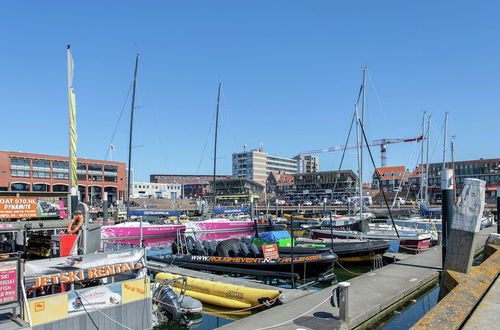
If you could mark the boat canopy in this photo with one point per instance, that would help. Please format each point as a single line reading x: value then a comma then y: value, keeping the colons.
x: 154, y: 213
x: 231, y: 211
x: 426, y: 211
x: 274, y: 236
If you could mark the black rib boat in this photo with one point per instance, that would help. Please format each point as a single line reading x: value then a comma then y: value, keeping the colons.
x: 235, y: 254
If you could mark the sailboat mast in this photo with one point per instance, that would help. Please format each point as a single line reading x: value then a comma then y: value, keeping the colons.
x: 363, y: 106
x: 444, y: 139
x: 130, y: 137
x: 215, y: 143
x: 422, y: 159
x: 427, y: 160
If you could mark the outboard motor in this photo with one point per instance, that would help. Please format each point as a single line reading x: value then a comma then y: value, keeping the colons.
x: 169, y: 305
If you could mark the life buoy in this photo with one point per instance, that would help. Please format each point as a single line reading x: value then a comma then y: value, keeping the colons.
x: 78, y: 218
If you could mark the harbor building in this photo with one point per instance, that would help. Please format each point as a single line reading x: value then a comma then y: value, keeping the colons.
x: 319, y: 185
x: 307, y: 164
x: 29, y: 172
x: 278, y: 182
x: 256, y: 165
x: 236, y: 189
x: 484, y: 169
x: 392, y: 178
x: 156, y: 190
x: 192, y: 185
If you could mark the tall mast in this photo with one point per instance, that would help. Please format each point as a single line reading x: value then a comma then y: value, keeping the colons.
x: 73, y: 184
x: 215, y: 143
x: 130, y: 137
x: 427, y: 160
x: 359, y: 133
x: 422, y: 159
x: 363, y: 106
x: 444, y: 139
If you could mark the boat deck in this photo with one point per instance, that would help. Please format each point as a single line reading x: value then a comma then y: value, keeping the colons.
x: 287, y: 294
x: 369, y: 294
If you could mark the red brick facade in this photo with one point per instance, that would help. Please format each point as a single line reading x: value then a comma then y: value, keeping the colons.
x: 21, y: 171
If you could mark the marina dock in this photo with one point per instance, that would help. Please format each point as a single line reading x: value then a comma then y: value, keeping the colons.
x: 369, y: 295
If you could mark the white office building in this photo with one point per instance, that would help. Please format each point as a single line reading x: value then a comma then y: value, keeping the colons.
x: 156, y: 190
x: 256, y: 165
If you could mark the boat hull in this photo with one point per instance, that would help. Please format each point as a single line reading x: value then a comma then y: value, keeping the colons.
x: 118, y: 232
x: 417, y: 242
x: 218, y: 226
x: 306, y: 266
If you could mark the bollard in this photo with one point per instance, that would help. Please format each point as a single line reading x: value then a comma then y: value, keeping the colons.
x: 73, y: 201
x: 465, y: 225
x: 105, y: 208
x: 446, y: 208
x: 344, y: 301
x: 498, y: 210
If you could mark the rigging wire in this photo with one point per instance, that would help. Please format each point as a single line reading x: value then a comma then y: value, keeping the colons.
x: 378, y: 177
x: 118, y: 121
x: 205, y: 145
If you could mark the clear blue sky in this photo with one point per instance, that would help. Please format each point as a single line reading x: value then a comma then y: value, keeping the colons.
x: 290, y: 72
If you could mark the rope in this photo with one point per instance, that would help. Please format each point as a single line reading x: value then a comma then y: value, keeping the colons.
x: 338, y: 263
x: 95, y: 308
x: 283, y: 323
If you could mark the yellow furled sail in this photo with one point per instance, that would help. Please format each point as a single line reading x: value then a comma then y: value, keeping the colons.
x: 221, y: 294
x: 72, y: 123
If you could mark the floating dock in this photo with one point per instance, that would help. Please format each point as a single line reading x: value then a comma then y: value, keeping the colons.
x: 369, y: 294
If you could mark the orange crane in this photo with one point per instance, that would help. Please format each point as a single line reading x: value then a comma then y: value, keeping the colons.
x: 382, y: 143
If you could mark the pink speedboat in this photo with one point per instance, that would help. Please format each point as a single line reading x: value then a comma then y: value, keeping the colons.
x: 133, y: 230
x: 218, y: 225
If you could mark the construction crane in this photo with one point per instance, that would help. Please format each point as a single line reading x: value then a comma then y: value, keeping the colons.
x: 382, y: 143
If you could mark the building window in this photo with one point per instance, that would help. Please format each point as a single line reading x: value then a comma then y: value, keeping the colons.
x: 110, y: 178
x: 41, y: 174
x: 59, y: 165
x: 59, y: 175
x: 59, y: 188
x: 19, y: 186
x: 40, y: 187
x: 20, y: 173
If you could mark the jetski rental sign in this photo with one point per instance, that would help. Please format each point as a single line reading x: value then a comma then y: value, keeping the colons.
x: 81, y: 268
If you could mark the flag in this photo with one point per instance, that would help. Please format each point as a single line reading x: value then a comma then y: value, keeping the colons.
x: 72, y: 123
x: 112, y: 147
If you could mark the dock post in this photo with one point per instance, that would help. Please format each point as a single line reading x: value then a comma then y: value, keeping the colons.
x: 464, y: 226
x: 446, y: 208
x: 498, y: 210
x: 73, y: 200
x: 344, y: 301
x: 105, y: 208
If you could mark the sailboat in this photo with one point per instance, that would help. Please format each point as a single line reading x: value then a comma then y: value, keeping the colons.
x: 218, y: 224
x: 408, y: 237
x: 133, y: 229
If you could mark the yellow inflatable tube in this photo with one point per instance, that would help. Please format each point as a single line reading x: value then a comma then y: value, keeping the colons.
x: 220, y: 294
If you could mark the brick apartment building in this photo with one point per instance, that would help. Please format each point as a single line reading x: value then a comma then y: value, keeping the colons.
x: 21, y: 171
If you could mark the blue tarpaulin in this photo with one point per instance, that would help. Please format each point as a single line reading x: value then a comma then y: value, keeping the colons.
x: 426, y: 211
x: 231, y: 211
x: 274, y: 236
x: 154, y: 213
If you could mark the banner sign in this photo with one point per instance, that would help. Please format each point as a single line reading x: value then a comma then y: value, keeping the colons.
x: 154, y: 213
x: 81, y: 268
x: 270, y: 251
x: 8, y: 281
x: 231, y: 211
x: 100, y: 297
x: 29, y: 207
